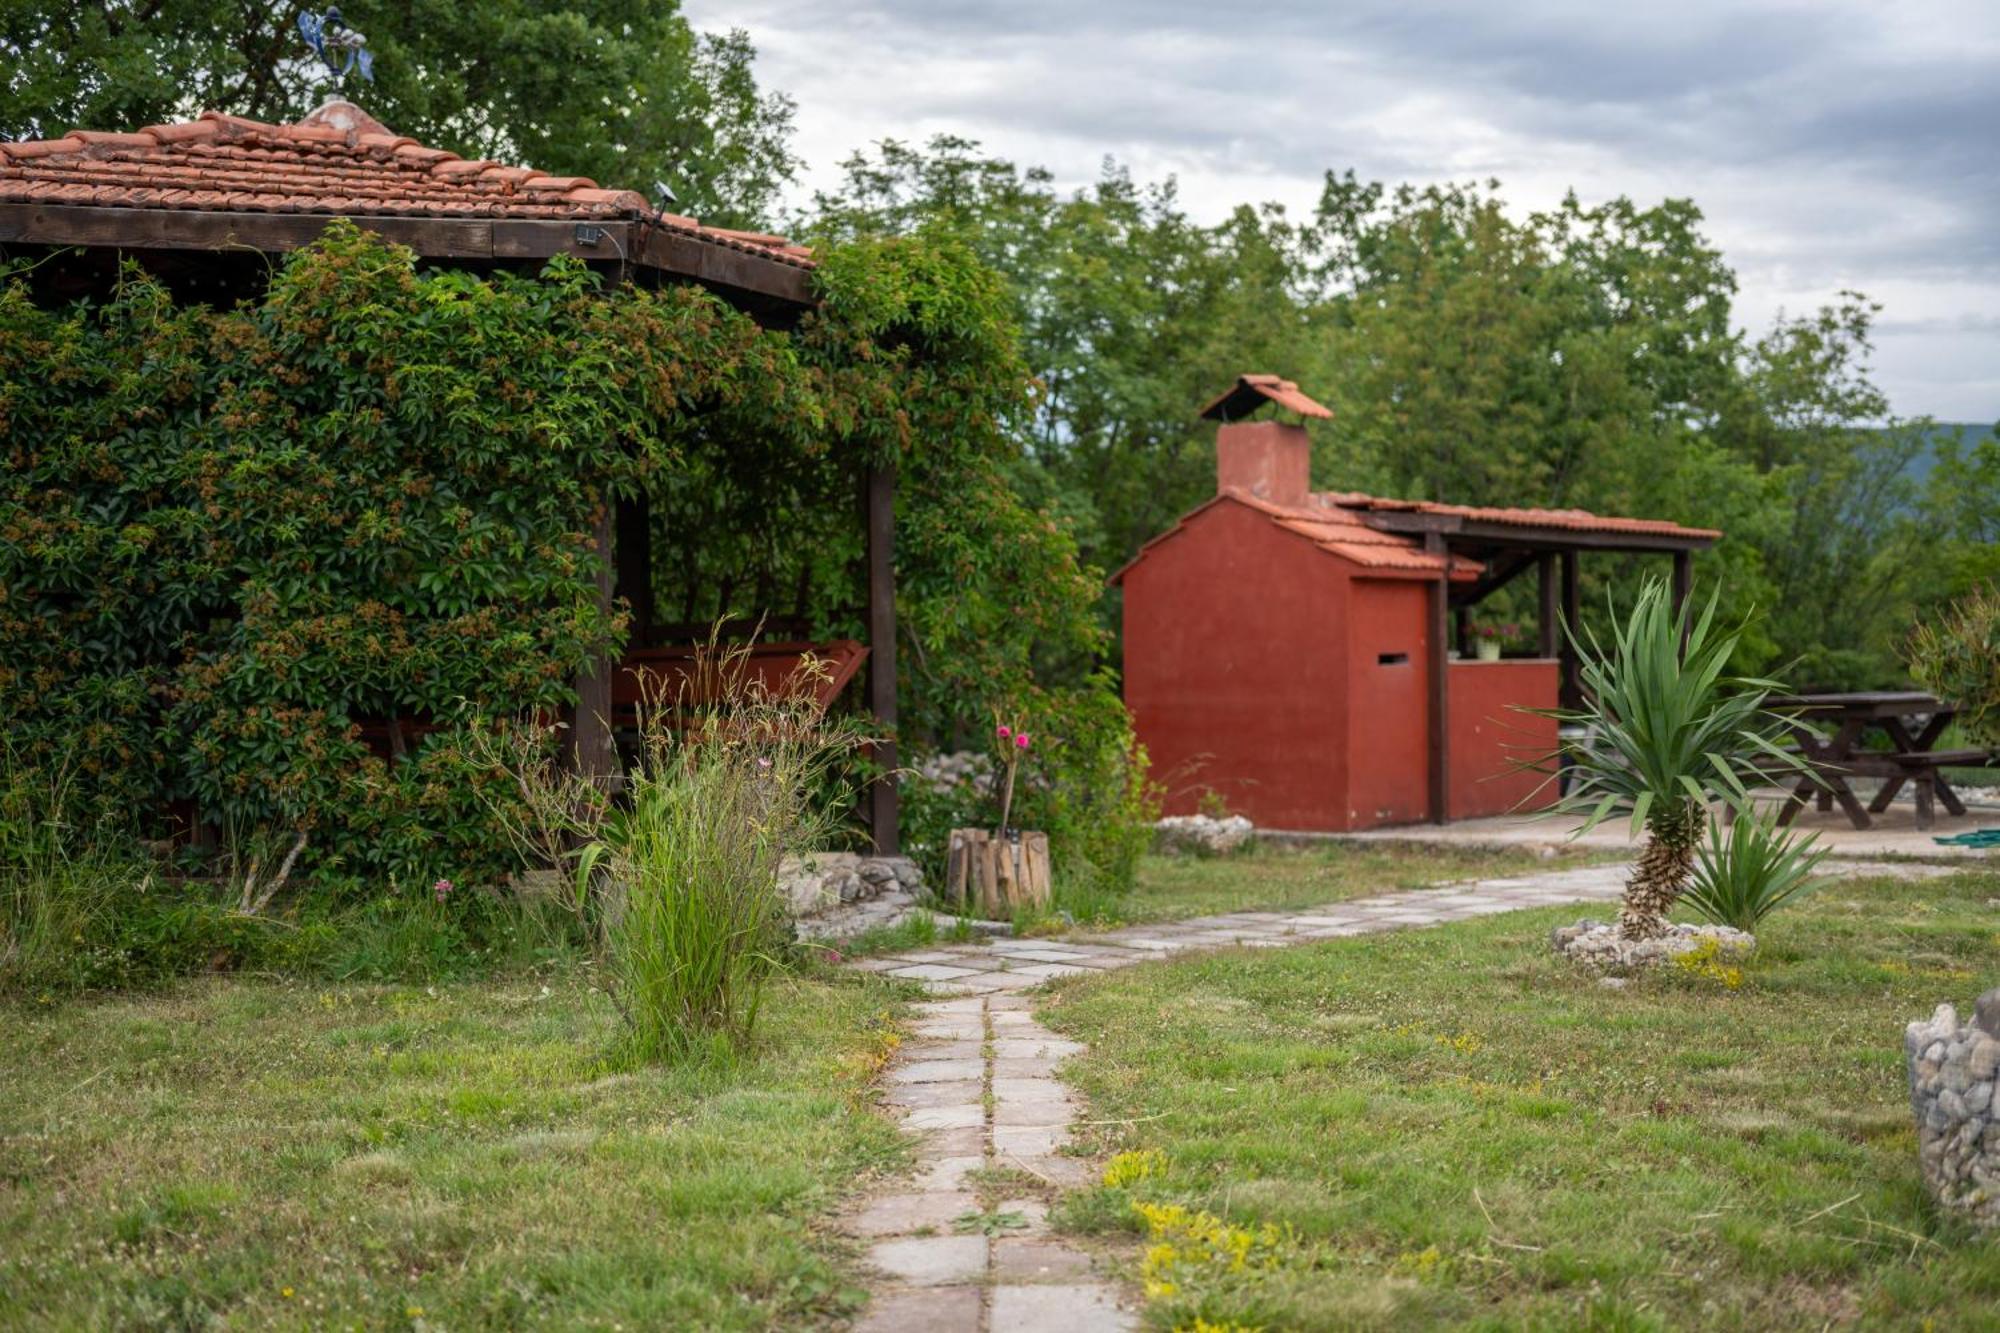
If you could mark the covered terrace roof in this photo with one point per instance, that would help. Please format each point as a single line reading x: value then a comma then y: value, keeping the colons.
x: 226, y: 182
x: 1543, y: 528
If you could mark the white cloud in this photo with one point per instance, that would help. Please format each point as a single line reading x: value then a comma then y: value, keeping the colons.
x: 1831, y: 143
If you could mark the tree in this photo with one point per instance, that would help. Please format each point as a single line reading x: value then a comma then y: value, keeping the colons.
x: 1813, y: 424
x: 624, y: 92
x: 1668, y: 733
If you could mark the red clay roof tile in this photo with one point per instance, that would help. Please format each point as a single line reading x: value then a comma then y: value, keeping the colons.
x: 338, y: 160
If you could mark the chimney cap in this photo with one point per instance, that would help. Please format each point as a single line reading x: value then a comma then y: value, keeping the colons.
x: 1251, y: 392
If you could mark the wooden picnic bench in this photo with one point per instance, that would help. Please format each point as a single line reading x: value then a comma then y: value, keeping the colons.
x: 1911, y: 720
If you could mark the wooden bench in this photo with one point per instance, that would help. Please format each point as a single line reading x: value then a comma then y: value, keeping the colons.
x: 1920, y: 768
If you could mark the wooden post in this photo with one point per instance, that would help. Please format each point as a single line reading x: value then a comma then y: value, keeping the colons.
x: 1572, y: 688
x: 1683, y: 584
x: 592, y: 751
x: 1461, y: 629
x: 635, y: 566
x: 879, y: 508
x: 1440, y: 673
x: 1550, y: 632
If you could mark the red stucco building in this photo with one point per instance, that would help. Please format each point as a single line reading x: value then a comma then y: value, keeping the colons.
x: 1290, y: 650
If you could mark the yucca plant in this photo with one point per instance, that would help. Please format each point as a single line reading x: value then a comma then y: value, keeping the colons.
x: 1665, y: 733
x: 1742, y: 876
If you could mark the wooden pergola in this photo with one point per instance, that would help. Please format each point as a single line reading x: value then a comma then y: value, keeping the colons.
x: 1509, y: 543
x: 202, y: 205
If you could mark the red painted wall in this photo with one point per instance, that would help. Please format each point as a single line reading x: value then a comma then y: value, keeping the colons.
x: 1235, y: 669
x: 1388, y: 703
x: 1488, y: 735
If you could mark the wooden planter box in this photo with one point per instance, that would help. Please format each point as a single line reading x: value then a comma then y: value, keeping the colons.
x: 992, y: 876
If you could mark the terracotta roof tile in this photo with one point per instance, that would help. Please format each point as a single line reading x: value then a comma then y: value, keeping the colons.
x: 336, y: 161
x: 1338, y: 532
x: 1251, y: 391
x: 1574, y: 520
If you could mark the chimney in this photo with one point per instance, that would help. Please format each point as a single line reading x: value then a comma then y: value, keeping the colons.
x: 1271, y: 460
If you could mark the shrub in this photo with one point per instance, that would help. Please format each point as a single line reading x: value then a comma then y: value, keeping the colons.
x: 719, y: 793
x: 59, y: 880
x: 1667, y: 733
x: 1743, y: 876
x: 1089, y: 787
x: 1958, y: 659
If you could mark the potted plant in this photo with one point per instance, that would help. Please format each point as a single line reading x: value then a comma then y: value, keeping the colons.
x: 993, y: 871
x: 1489, y: 635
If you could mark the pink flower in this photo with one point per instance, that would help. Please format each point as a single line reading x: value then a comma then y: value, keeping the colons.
x: 1022, y: 740
x: 442, y: 889
x: 1003, y: 731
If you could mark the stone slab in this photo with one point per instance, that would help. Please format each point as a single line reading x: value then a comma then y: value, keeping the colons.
x: 1060, y: 1308
x: 932, y: 1310
x: 931, y: 1261
x: 1035, y: 1259
x: 906, y: 1214
x: 970, y: 1115
x: 937, y: 1071
x: 933, y: 1094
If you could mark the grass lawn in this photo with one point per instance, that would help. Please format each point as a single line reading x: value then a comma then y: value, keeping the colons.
x: 256, y: 1154
x: 1275, y: 877
x: 1450, y: 1127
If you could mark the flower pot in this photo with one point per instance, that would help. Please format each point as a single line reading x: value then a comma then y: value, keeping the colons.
x: 1488, y: 650
x: 993, y: 875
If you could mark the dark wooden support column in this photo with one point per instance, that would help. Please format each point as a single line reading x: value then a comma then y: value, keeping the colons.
x: 635, y: 566
x: 879, y: 511
x: 1440, y: 682
x: 1572, y: 689
x: 1683, y: 585
x: 1546, y: 626
x: 592, y: 753
x: 1461, y: 628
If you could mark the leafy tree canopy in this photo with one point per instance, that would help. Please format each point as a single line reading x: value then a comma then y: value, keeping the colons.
x: 1583, y: 355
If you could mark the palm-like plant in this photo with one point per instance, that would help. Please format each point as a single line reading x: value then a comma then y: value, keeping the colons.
x: 1664, y: 734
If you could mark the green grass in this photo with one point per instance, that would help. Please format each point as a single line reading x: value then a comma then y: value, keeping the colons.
x: 1459, y: 1130
x: 1274, y: 877
x: 258, y: 1154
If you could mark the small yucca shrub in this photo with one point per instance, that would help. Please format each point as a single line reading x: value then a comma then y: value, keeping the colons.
x: 1742, y: 876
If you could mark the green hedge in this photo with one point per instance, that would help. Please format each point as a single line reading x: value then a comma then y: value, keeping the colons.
x: 229, y: 536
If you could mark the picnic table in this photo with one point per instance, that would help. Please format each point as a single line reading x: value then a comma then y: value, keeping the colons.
x: 1911, y: 720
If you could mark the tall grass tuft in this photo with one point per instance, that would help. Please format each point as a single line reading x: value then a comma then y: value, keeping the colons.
x: 60, y: 880
x: 1743, y: 876
x: 728, y: 779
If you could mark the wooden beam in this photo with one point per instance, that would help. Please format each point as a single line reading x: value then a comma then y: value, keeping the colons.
x: 1572, y: 688
x: 879, y: 516
x: 1683, y: 585
x: 678, y: 252
x: 1494, y: 579
x: 1547, y: 626
x: 1440, y: 691
x: 1466, y: 531
x: 593, y: 751
x: 634, y: 540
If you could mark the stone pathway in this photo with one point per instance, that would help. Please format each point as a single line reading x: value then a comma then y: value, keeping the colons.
x: 977, y: 1083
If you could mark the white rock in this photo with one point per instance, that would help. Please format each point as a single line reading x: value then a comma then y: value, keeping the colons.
x: 1202, y: 834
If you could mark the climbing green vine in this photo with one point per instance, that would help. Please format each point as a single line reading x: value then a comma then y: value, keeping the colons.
x: 269, y: 562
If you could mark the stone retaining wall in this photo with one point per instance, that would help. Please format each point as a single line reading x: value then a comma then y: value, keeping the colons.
x: 1953, y: 1072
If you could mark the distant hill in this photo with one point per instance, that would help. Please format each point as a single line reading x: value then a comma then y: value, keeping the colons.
x: 1968, y: 431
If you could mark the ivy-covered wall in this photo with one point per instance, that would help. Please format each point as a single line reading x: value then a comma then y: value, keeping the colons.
x: 228, y: 536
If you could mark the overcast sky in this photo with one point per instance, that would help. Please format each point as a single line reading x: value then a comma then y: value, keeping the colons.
x: 1831, y: 143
